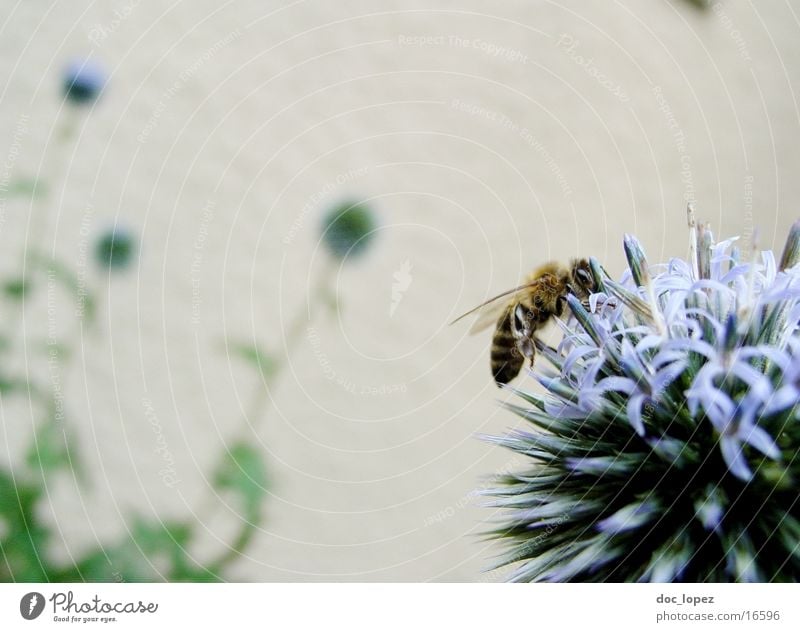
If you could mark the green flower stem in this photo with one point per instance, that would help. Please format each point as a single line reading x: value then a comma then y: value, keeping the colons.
x: 52, y: 162
x: 242, y: 541
x: 319, y: 298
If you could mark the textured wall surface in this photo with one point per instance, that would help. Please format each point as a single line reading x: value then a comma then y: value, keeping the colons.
x: 488, y: 137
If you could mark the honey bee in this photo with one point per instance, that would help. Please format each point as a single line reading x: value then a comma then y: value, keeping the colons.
x: 517, y: 314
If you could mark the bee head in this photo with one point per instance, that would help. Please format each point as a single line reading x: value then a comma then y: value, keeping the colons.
x: 583, y: 280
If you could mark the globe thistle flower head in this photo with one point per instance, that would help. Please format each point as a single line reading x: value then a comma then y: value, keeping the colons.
x: 348, y: 229
x: 665, y: 445
x: 84, y: 80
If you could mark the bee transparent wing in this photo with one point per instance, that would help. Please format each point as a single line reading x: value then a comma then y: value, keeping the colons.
x: 488, y: 316
x: 490, y: 311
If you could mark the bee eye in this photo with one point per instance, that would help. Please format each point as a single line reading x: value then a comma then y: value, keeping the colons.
x: 584, y: 277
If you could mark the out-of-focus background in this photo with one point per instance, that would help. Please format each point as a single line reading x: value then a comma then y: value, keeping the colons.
x: 196, y: 375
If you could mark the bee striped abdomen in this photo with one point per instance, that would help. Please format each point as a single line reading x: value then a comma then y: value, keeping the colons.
x: 506, y: 360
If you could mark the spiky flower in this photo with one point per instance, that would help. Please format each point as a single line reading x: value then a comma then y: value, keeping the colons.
x: 665, y: 444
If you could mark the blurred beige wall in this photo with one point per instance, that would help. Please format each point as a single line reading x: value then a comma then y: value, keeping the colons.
x: 488, y: 137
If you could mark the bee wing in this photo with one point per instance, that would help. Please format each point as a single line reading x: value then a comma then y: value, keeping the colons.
x: 487, y: 316
x: 490, y: 311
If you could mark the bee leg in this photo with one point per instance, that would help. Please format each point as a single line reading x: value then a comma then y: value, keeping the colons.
x: 583, y: 299
x: 527, y: 348
x: 522, y: 331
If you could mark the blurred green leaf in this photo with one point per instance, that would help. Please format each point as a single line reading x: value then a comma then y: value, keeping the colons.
x: 52, y: 449
x: 195, y: 574
x: 70, y: 281
x: 171, y: 538
x: 331, y: 300
x: 243, y: 472
x: 251, y: 353
x: 28, y: 187
x: 16, y: 289
x: 9, y: 384
x: 152, y: 552
x: 96, y: 566
x: 22, y: 536
x: 51, y: 349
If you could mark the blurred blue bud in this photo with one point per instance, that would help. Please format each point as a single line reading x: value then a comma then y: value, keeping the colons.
x: 84, y: 79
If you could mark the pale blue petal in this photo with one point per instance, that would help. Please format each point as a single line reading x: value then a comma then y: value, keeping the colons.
x: 578, y: 353
x: 698, y: 346
x: 734, y: 459
x: 770, y: 269
x: 667, y: 375
x: 782, y: 399
x: 615, y: 383
x: 760, y: 440
x: 757, y: 381
x: 737, y: 272
x: 634, y: 409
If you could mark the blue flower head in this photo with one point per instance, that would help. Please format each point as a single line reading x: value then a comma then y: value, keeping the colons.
x: 84, y: 80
